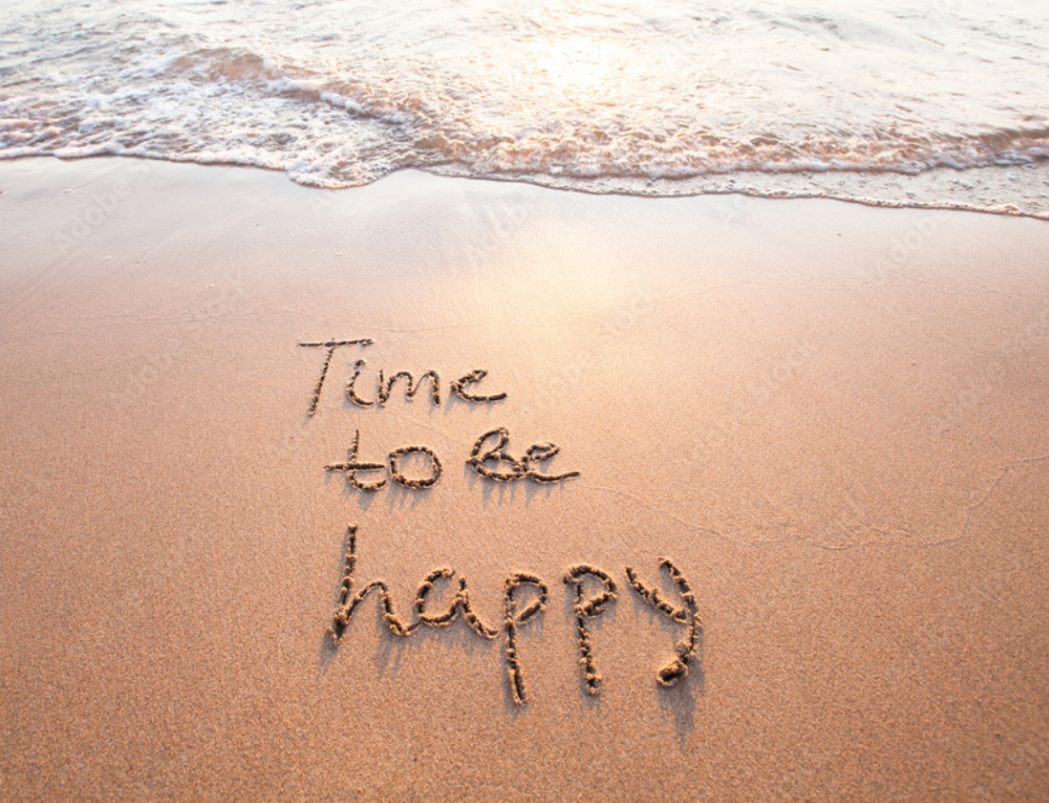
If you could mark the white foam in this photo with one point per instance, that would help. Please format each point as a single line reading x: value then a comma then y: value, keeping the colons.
x: 649, y: 98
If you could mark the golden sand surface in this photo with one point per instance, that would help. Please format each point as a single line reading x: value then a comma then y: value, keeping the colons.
x: 832, y: 420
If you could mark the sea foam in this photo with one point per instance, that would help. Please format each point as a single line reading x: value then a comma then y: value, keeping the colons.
x: 946, y: 107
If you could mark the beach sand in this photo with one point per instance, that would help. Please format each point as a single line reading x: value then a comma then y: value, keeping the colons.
x: 832, y: 418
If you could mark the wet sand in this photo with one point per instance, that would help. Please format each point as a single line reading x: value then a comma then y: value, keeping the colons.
x: 831, y: 419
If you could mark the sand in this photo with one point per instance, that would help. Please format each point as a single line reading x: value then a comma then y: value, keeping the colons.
x: 831, y: 419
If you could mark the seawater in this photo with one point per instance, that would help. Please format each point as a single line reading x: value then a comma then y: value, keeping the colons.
x: 944, y: 103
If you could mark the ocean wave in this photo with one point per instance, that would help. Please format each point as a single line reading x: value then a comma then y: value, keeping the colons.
x: 609, y: 94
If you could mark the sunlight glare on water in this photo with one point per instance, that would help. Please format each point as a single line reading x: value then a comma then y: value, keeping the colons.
x: 596, y: 95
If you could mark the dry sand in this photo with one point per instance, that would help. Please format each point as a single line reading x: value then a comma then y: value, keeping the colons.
x: 832, y: 418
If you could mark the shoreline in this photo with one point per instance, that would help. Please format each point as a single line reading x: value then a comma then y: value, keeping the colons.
x: 954, y: 187
x: 831, y: 418
x: 977, y: 189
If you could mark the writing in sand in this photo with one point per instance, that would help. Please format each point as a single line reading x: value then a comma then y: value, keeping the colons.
x: 524, y: 598
x: 525, y: 595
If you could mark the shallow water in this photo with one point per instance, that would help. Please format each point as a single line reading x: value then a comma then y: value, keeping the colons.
x: 946, y: 107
